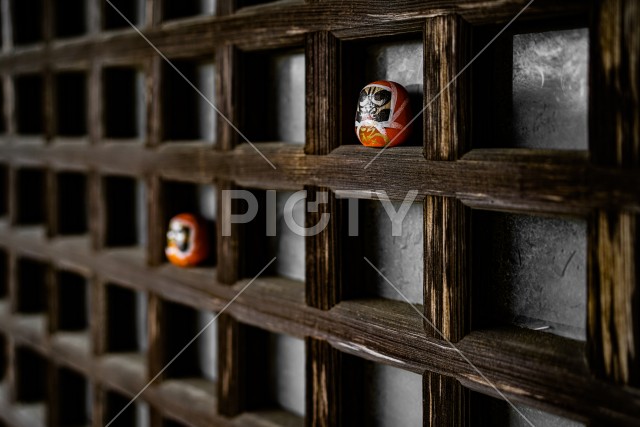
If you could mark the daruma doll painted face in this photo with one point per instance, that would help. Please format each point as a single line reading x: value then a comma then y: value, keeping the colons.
x: 382, y: 114
x: 187, y: 243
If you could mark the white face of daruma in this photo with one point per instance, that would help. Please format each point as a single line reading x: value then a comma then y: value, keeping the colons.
x: 178, y: 235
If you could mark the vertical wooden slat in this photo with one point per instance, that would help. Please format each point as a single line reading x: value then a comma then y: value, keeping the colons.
x: 446, y: 268
x: 53, y: 302
x: 323, y: 251
x: 98, y: 319
x: 231, y: 354
x: 10, y: 379
x: 446, y: 220
x: 153, y: 98
x: 324, y: 391
x: 51, y: 203
x: 53, y: 396
x: 97, y: 211
x: 228, y: 7
x: 95, y: 102
x: 446, y: 52
x: 12, y: 184
x: 445, y: 401
x: 156, y: 227
x: 613, y: 291
x: 8, y: 90
x: 323, y: 284
x: 12, y: 281
x: 322, y: 93
x: 7, y: 25
x: 228, y: 247
x: 48, y: 99
x: 94, y: 16
x: 227, y: 63
x: 99, y: 407
x: 156, y: 354
x: 154, y: 12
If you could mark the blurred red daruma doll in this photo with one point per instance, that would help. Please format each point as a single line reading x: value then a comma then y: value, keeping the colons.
x: 187, y: 243
x: 382, y: 114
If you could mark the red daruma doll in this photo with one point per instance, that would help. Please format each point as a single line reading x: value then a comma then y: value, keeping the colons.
x: 187, y: 243
x: 382, y: 114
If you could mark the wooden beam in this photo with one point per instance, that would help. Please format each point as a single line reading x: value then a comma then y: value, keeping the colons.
x: 445, y: 401
x: 228, y: 246
x: 231, y: 359
x: 322, y: 93
x: 614, y: 235
x: 446, y: 220
x: 324, y: 384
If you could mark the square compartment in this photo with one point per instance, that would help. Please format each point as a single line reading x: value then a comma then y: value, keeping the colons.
x: 126, y: 328
x: 186, y: 115
x: 529, y: 271
x: 532, y: 90
x: 138, y: 414
x: 267, y: 235
x: 72, y: 312
x: 31, y: 376
x: 124, y: 103
x: 72, y: 203
x: 196, y: 199
x: 29, y: 89
x: 274, y: 105
x: 177, y: 9
x: 31, y: 295
x: 30, y: 197
x: 395, y: 247
x: 488, y: 411
x: 384, y: 396
x: 199, y: 360
x: 73, y: 398
x: 133, y: 10
x: 70, y: 18
x: 28, y: 22
x: 276, y: 380
x: 125, y: 212
x: 71, y: 103
x: 367, y: 61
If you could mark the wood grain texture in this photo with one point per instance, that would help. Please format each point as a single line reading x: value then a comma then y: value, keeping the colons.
x: 51, y: 203
x: 447, y: 47
x: 156, y: 227
x: 499, y: 179
x: 324, y: 250
x: 153, y: 99
x: 446, y: 268
x: 156, y: 357
x: 613, y: 299
x: 615, y: 85
x: 279, y: 24
x: 323, y: 93
x: 97, y: 211
x: 231, y: 358
x: 228, y: 90
x: 228, y: 247
x: 613, y: 282
x: 446, y: 401
x: 99, y: 316
x: 323, y: 382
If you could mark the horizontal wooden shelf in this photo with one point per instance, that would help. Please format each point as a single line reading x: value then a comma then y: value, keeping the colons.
x: 393, y: 330
x: 274, y: 25
x: 544, y: 181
